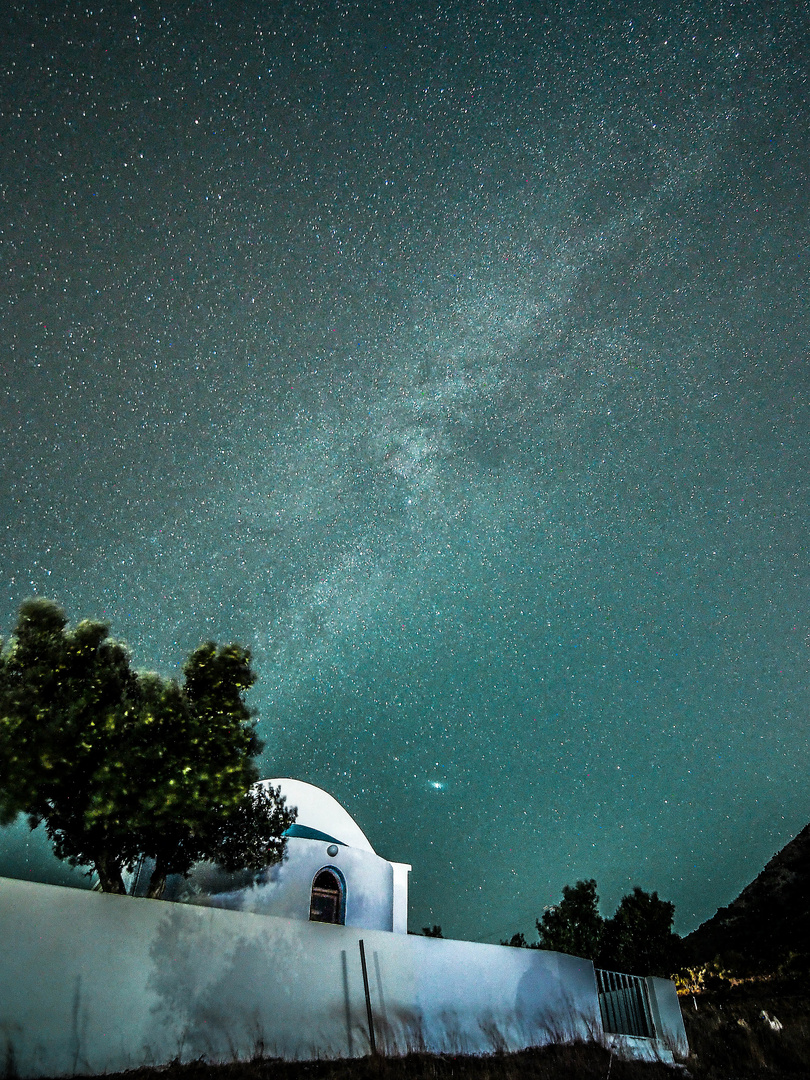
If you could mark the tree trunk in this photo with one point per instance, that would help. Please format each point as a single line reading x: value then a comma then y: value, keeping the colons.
x: 109, y: 874
x: 157, y: 882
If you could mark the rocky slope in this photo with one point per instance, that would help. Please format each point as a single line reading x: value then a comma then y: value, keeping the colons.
x: 770, y: 919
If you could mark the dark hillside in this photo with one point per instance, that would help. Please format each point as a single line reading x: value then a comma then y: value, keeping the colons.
x: 756, y: 1030
x: 769, y: 922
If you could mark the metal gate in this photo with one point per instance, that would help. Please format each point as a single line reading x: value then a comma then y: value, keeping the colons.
x: 624, y: 1004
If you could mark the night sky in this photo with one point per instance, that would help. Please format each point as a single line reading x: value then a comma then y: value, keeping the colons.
x: 452, y: 357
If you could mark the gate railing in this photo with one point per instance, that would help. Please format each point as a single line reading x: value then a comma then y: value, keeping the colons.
x: 624, y: 1004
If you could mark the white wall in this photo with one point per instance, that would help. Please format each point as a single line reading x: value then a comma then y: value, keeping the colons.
x: 94, y: 983
x: 287, y: 886
x: 399, y: 914
x: 667, y: 1016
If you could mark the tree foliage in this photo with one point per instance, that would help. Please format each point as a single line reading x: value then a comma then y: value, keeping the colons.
x: 517, y: 941
x: 639, y: 939
x: 117, y: 763
x: 574, y: 925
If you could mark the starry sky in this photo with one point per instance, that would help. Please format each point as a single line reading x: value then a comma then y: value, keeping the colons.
x: 453, y: 357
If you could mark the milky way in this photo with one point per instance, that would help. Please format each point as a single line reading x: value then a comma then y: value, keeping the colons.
x: 453, y: 358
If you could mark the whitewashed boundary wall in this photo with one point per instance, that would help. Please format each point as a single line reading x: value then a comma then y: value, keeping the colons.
x: 93, y: 983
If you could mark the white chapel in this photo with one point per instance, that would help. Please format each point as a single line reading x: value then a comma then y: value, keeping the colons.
x: 330, y: 872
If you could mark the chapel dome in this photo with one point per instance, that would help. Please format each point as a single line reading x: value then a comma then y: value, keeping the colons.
x: 320, y: 816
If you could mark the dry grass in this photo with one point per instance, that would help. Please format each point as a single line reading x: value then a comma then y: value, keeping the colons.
x: 728, y: 1036
x: 730, y: 1039
x: 583, y: 1061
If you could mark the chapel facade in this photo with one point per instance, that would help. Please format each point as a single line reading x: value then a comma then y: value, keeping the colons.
x: 330, y: 872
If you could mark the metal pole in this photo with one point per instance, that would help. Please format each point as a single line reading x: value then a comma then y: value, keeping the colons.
x: 371, y: 1038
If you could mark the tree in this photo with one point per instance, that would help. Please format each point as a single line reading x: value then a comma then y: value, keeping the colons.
x: 639, y: 939
x: 574, y: 925
x: 517, y: 941
x: 118, y: 763
x: 432, y: 931
x: 65, y: 697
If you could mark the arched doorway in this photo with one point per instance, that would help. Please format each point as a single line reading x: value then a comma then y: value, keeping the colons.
x: 328, y: 898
